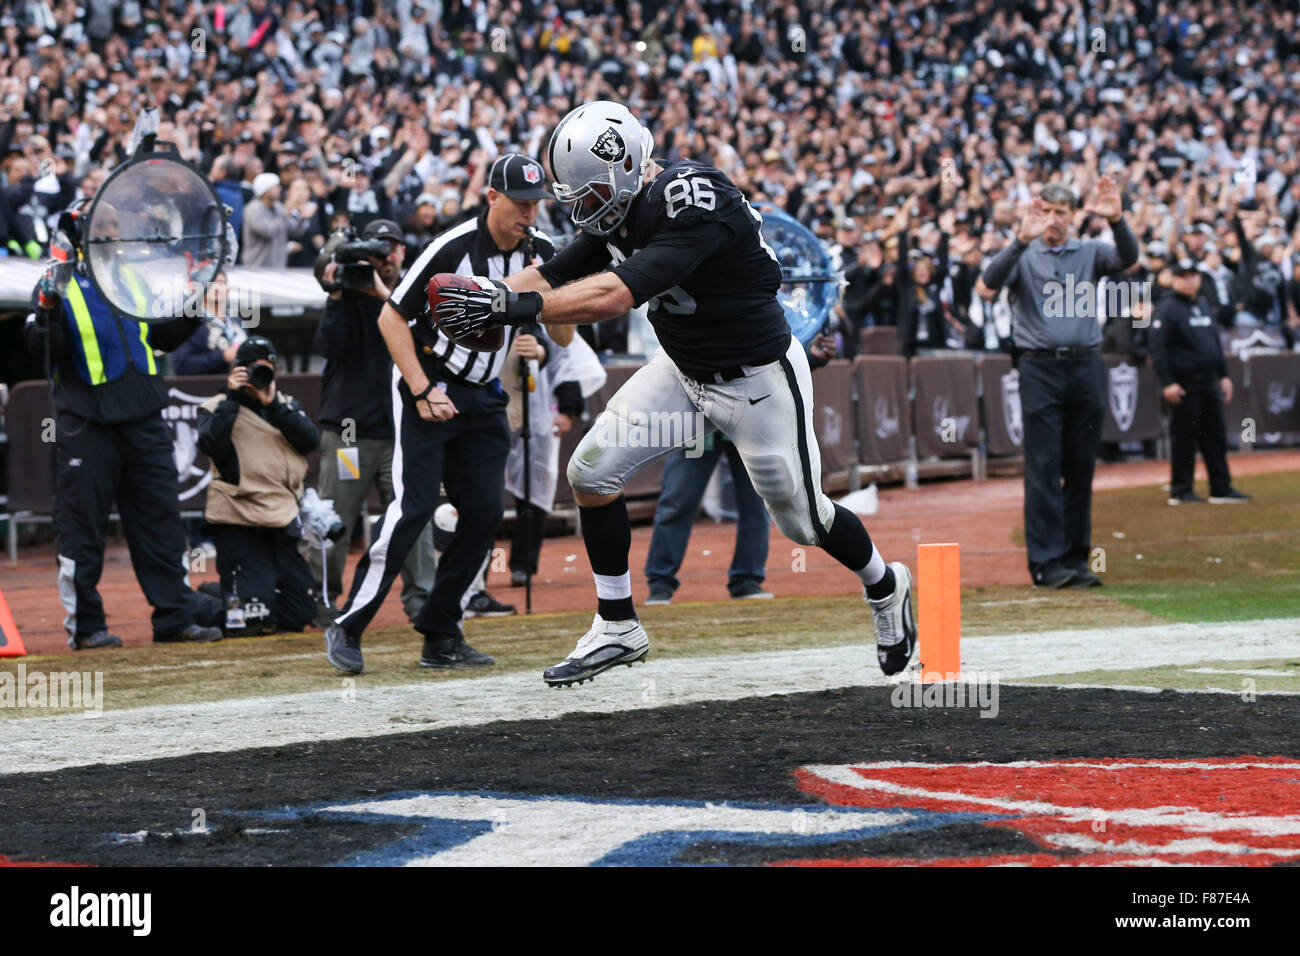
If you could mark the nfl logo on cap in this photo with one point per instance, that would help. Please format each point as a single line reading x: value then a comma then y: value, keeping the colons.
x: 532, y: 173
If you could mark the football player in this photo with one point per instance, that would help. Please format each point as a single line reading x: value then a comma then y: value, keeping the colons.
x: 682, y: 238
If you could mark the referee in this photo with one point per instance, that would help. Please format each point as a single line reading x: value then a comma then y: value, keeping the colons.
x: 449, y: 416
x: 1062, y: 375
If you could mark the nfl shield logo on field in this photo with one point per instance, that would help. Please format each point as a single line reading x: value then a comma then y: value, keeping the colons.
x: 532, y: 173
x: 1123, y: 395
x: 1012, y: 415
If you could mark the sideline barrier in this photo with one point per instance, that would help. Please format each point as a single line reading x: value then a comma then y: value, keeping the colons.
x: 866, y: 417
x: 945, y: 408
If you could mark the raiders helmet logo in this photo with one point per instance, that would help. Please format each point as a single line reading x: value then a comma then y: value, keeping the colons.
x: 609, y: 146
x: 532, y: 173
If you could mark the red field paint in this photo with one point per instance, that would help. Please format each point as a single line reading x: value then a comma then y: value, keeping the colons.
x: 1221, y: 810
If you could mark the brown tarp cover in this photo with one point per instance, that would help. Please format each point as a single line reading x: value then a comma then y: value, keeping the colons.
x: 884, y: 419
x: 833, y: 415
x: 1003, y: 421
x: 946, y: 413
x: 1274, y: 386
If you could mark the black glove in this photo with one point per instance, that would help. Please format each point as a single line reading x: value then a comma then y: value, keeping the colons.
x: 463, y: 312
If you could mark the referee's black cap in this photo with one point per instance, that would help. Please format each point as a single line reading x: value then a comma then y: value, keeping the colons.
x: 518, y: 176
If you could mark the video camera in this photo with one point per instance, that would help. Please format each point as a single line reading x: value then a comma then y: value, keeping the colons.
x: 352, y: 253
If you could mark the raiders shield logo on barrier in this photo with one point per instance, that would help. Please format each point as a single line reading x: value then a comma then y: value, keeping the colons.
x: 1012, y: 415
x: 181, y: 416
x: 1123, y: 395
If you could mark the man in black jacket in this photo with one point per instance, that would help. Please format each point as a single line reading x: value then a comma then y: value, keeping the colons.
x: 112, y: 444
x: 356, y: 415
x: 1189, y: 361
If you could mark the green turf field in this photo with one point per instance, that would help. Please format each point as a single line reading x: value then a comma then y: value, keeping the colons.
x: 1187, y: 564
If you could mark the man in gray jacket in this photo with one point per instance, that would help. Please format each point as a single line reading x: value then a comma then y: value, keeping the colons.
x: 1052, y: 277
x: 267, y: 226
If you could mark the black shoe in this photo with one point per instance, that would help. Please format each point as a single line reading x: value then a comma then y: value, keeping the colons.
x: 1084, y: 578
x: 750, y: 591
x: 209, y: 611
x: 1186, y: 498
x: 93, y: 641
x: 1230, y: 497
x: 343, y: 650
x: 659, y: 595
x: 483, y: 604
x: 1055, y: 576
x: 518, y: 579
x: 452, y: 652
x: 194, y: 634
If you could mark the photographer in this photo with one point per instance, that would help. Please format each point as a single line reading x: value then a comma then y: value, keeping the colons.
x: 258, y: 440
x: 356, y: 412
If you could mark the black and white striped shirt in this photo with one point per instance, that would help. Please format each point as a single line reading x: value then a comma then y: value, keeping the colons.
x: 466, y: 249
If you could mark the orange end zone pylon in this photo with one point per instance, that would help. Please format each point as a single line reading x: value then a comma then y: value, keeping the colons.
x: 11, y: 645
x: 938, y: 588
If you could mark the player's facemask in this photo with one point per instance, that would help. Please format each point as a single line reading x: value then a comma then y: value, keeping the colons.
x: 598, y: 207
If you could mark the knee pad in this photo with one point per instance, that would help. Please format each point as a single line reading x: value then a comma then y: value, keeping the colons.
x: 586, y: 470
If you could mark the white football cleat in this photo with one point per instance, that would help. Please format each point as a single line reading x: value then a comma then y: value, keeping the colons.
x: 895, y: 622
x: 606, y: 645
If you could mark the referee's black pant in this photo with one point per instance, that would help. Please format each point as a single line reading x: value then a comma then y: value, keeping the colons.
x: 469, y: 453
x: 1063, y: 402
x: 131, y: 462
x: 1197, y: 422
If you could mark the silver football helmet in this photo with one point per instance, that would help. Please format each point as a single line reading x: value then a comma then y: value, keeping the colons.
x: 599, y: 155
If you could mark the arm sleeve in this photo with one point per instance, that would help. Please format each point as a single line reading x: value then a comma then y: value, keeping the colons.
x: 670, y: 258
x: 1117, y: 258
x: 41, y: 326
x: 999, y: 271
x: 568, y: 399
x: 259, y: 220
x: 287, y: 414
x: 1247, y: 250
x: 193, y: 357
x: 215, y: 428
x: 170, y: 335
x: 1160, y: 345
x: 584, y: 256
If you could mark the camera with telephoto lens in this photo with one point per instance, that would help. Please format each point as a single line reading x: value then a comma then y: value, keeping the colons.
x: 261, y: 376
x: 321, y: 525
x: 353, y: 255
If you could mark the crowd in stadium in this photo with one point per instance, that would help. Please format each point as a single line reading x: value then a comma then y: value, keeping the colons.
x: 929, y: 123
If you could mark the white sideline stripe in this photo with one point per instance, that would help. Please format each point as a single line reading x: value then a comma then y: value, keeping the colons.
x: 37, y: 744
x: 379, y: 550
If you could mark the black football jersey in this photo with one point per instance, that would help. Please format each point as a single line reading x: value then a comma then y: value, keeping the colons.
x: 692, y: 247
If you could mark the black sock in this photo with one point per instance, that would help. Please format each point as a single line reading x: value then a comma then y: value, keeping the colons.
x: 884, y: 587
x: 848, y: 543
x: 607, y: 533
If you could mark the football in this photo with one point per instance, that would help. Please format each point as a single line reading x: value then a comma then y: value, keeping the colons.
x: 489, y: 340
